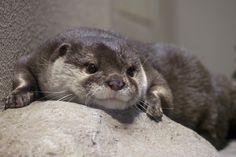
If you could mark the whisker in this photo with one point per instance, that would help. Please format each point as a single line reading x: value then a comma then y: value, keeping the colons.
x: 144, y: 108
x: 164, y: 108
x: 72, y: 97
x: 64, y: 97
x: 89, y: 96
x: 50, y: 91
x: 143, y: 104
x: 137, y: 109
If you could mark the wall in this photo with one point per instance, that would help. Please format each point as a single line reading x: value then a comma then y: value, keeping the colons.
x: 208, y: 28
x: 145, y: 20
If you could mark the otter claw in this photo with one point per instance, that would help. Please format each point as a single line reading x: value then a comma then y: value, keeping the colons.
x: 154, y: 112
x: 18, y: 99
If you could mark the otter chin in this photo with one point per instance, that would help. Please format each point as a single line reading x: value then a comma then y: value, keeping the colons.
x: 112, y: 103
x: 115, y: 98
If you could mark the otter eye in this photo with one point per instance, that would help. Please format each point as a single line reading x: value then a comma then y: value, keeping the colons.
x: 91, y: 68
x: 131, y: 70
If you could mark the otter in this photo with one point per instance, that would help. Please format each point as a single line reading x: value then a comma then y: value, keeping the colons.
x: 102, y: 68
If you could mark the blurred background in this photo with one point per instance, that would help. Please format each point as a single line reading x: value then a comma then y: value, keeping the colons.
x: 206, y: 27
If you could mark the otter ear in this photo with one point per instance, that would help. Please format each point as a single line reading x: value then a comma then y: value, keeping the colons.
x: 61, y: 51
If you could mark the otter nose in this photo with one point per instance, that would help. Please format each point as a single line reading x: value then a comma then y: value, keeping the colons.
x: 115, y: 84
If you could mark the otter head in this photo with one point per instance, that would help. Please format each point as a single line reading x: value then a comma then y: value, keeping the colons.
x: 106, y: 74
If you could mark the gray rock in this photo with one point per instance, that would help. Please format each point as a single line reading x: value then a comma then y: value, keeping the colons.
x: 230, y: 150
x: 64, y: 129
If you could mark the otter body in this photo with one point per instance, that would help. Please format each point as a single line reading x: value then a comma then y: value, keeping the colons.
x: 102, y: 68
x: 202, y: 101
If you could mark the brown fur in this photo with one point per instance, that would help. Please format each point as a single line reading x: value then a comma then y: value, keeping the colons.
x: 201, y: 101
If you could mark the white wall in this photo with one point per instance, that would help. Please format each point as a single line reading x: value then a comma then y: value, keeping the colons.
x: 137, y: 19
x: 208, y: 28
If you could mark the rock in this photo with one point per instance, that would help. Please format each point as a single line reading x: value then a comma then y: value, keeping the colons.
x: 64, y: 129
x: 230, y: 150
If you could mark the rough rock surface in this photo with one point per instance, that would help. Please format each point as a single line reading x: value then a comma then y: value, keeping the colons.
x: 230, y: 150
x: 63, y: 129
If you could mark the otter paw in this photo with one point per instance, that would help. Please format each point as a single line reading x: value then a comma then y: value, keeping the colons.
x: 19, y: 99
x: 154, y: 112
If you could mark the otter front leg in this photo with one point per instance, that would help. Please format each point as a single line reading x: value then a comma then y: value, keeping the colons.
x: 158, y: 96
x: 24, y: 86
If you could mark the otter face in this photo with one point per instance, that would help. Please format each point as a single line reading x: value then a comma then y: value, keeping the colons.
x: 98, y: 74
